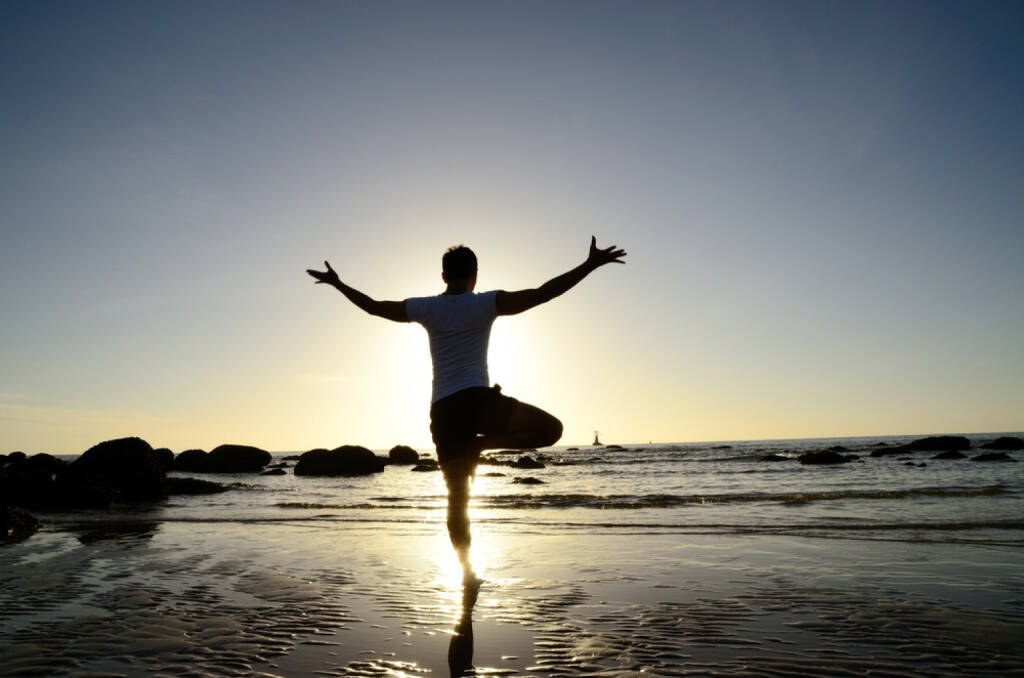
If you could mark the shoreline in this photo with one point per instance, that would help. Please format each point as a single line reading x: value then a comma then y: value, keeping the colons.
x: 301, y: 600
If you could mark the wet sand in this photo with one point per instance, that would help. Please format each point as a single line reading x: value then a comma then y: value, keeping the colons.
x: 299, y: 599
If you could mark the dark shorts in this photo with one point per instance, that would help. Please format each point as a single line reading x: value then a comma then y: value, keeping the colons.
x: 460, y: 417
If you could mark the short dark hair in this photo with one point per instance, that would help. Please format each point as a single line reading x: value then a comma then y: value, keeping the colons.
x: 458, y: 262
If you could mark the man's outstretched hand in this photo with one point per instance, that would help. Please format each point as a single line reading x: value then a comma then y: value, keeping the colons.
x: 328, y: 276
x: 600, y: 257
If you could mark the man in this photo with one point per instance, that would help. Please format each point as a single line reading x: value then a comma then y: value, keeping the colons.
x: 467, y: 415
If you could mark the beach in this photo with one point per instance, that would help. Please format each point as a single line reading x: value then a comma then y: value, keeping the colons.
x: 746, y: 582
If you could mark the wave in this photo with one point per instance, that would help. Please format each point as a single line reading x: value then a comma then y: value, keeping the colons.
x: 653, y: 501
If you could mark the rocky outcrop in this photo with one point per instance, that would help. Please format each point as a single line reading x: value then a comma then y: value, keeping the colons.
x: 237, y: 459
x: 403, y: 455
x: 275, y: 472
x: 176, y: 486
x: 824, y: 457
x: 347, y: 460
x: 1005, y: 443
x: 774, y: 457
x: 993, y: 456
x: 950, y: 454
x: 529, y: 480
x: 938, y: 444
x: 526, y: 462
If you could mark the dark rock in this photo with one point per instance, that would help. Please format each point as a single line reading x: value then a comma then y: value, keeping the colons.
x: 25, y: 484
x: 237, y: 459
x: 822, y: 457
x: 528, y: 481
x: 426, y: 466
x: 774, y: 457
x: 526, y: 462
x: 1005, y: 443
x: 403, y: 454
x: 719, y: 447
x: 493, y: 474
x: 165, y: 456
x: 938, y: 444
x: 177, y: 486
x: 838, y: 448
x: 882, y: 444
x: 950, y: 454
x: 993, y: 456
x: 16, y: 456
x: 191, y: 461
x: 571, y: 449
x: 129, y: 465
x: 292, y: 457
x: 347, y: 460
x: 16, y: 523
x: 275, y: 472
x: 617, y: 447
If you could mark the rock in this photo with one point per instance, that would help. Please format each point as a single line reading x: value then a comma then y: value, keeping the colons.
x: 493, y: 474
x: 129, y: 465
x: 882, y: 444
x: 16, y: 456
x: 275, y: 472
x: 526, y: 462
x: 950, y: 454
x: 46, y: 463
x: 165, y: 456
x: 822, y: 457
x: 347, y: 460
x: 719, y: 447
x: 993, y: 456
x: 426, y: 467
x: 774, y: 457
x: 620, y: 447
x: 177, y: 486
x: 237, y: 459
x: 838, y: 448
x: 291, y: 457
x: 28, y: 485
x: 572, y: 449
x: 403, y: 454
x: 191, y: 461
x: 1005, y: 443
x: 16, y: 523
x: 527, y: 481
x: 938, y: 444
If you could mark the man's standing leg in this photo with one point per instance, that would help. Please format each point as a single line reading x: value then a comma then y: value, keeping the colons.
x: 457, y: 473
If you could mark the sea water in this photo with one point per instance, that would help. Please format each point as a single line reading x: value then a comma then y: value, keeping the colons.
x: 724, y: 487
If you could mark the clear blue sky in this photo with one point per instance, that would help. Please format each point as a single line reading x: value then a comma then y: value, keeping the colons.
x: 822, y: 204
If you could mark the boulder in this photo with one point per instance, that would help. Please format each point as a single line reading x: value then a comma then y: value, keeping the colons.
x: 165, y: 456
x: 938, y: 444
x: 23, y: 483
x: 822, y: 457
x: 275, y: 472
x: 403, y: 454
x: 237, y: 459
x: 347, y: 460
x: 16, y: 523
x: 426, y: 466
x: 774, y: 457
x: 1005, y: 443
x: 129, y: 465
x: 17, y: 456
x: 526, y: 462
x: 950, y: 454
x: 493, y: 474
x: 993, y: 456
x: 527, y: 481
x: 191, y: 461
x: 177, y: 486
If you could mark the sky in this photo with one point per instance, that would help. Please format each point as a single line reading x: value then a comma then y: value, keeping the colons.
x: 822, y: 204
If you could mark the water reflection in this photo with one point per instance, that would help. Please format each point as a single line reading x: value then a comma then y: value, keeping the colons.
x: 460, y: 649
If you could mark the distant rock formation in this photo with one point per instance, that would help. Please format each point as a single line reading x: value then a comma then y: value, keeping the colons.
x: 403, y: 455
x: 950, y: 454
x: 165, y: 456
x: 347, y: 460
x: 529, y: 480
x: 774, y: 457
x: 1005, y: 443
x: 128, y: 466
x: 930, y: 444
x: 993, y: 456
x: 822, y: 457
x: 526, y: 462
x: 191, y: 461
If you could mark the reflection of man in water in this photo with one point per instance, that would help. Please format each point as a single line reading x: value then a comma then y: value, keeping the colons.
x: 467, y: 415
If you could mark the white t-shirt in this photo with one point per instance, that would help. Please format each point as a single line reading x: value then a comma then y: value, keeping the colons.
x: 459, y: 327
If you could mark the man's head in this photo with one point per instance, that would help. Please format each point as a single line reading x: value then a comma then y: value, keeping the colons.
x: 458, y: 265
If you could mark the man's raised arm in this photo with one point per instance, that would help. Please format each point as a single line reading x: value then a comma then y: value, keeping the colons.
x: 510, y: 303
x: 391, y: 310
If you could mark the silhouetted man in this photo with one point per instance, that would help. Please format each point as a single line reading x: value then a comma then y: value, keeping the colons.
x: 467, y: 415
